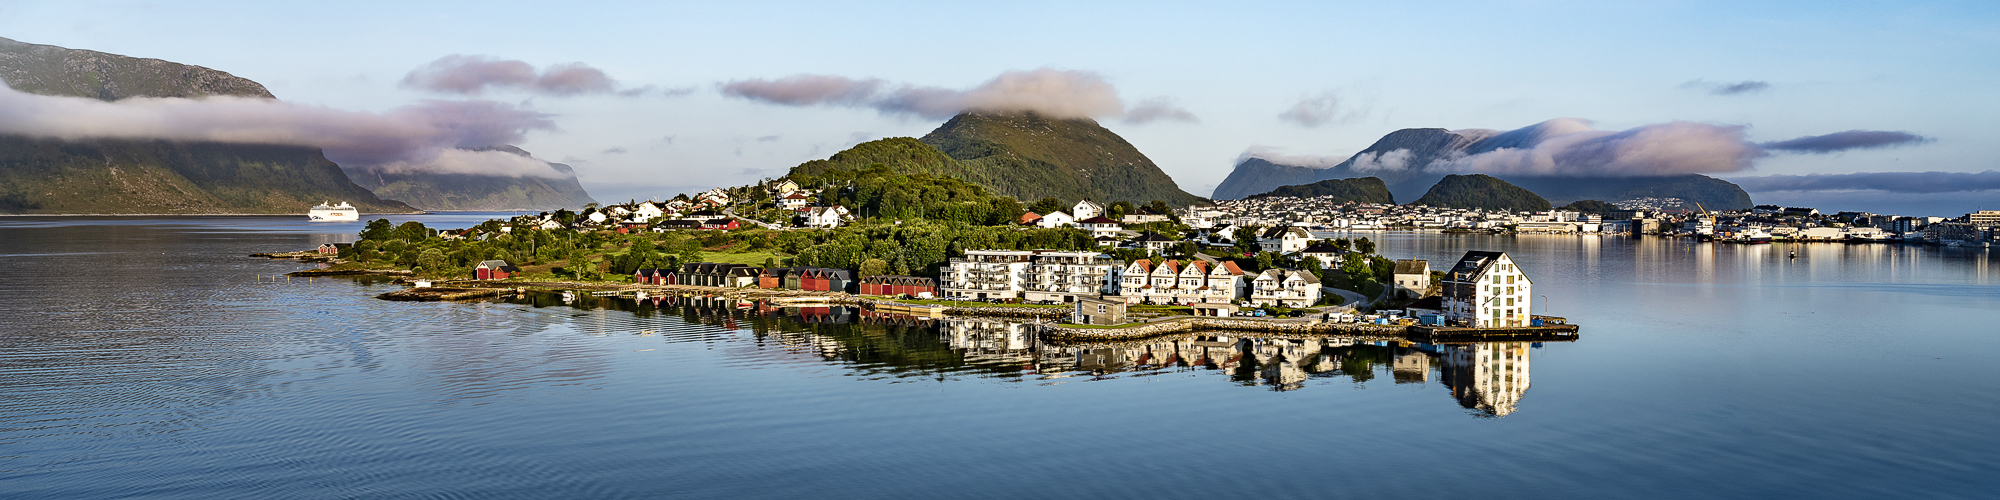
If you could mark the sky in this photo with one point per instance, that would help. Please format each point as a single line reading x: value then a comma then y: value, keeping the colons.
x: 648, y: 99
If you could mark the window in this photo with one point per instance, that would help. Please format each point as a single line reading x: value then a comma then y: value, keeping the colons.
x: 1510, y: 301
x: 1510, y: 279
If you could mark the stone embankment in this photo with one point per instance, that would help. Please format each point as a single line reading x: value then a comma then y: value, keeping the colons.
x: 1284, y: 327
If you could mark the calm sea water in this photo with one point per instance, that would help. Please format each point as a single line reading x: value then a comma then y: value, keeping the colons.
x: 144, y: 358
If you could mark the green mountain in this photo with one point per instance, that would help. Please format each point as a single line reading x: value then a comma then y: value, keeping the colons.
x: 1031, y: 156
x: 1483, y: 192
x: 903, y: 155
x: 1716, y: 194
x: 1364, y: 190
x: 55, y: 176
x: 466, y: 192
x: 1589, y: 207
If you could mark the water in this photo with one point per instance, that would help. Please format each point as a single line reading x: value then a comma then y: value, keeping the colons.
x: 142, y: 358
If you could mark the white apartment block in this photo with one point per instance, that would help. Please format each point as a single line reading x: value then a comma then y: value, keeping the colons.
x: 1485, y: 289
x: 1285, y: 287
x: 1182, y: 282
x: 1033, y: 275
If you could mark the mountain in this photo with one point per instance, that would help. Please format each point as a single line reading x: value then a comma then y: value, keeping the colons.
x: 1364, y: 190
x: 903, y: 155
x: 1030, y: 156
x: 466, y: 192
x: 1257, y: 175
x: 55, y: 176
x: 1483, y: 192
x: 1400, y: 158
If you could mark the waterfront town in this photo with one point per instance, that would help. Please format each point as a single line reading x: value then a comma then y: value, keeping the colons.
x: 1109, y: 264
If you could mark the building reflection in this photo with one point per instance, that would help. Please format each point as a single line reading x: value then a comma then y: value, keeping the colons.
x: 1490, y: 379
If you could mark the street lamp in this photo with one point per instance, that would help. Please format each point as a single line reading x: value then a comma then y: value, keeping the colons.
x: 1545, y: 303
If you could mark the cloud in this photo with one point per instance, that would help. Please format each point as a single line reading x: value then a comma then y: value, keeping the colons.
x: 1278, y: 156
x: 1316, y: 110
x: 460, y: 161
x: 475, y: 75
x: 1051, y: 92
x: 668, y: 139
x: 1728, y: 88
x: 770, y: 138
x: 1843, y: 141
x: 1897, y: 182
x: 1158, y: 108
x: 1392, y: 160
x: 410, y: 135
x: 615, y: 151
x: 1567, y: 146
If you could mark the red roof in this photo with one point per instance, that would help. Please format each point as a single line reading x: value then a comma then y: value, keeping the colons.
x: 1030, y: 217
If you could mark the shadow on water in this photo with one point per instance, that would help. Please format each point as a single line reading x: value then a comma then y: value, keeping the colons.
x: 1487, y: 378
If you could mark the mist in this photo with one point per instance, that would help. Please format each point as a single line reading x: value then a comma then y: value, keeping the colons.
x: 1047, y: 91
x: 408, y: 137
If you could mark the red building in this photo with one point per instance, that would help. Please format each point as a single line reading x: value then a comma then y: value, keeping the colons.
x: 495, y: 270
x: 897, y: 285
x: 724, y: 223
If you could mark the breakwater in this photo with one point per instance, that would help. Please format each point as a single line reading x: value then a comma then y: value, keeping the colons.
x: 1424, y: 333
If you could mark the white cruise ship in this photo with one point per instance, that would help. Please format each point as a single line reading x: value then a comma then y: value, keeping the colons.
x: 334, y: 213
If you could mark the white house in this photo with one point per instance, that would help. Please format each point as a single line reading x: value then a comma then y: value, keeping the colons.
x: 647, y: 210
x: 1285, y: 287
x: 1485, y: 289
x: 1412, y: 277
x: 825, y: 216
x: 794, y: 201
x: 1100, y: 226
x: 1284, y: 239
x: 1056, y: 219
x: 1085, y: 209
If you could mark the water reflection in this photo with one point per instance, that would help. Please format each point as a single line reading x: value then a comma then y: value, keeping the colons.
x: 1487, y: 378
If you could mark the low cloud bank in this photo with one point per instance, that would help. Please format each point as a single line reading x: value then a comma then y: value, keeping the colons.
x: 1728, y: 88
x: 1047, y: 91
x: 1895, y: 182
x: 475, y: 75
x: 1572, y: 147
x: 1843, y: 141
x: 406, y: 138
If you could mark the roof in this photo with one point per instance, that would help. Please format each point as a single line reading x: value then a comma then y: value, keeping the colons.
x: 1475, y: 262
x: 1279, y: 232
x: 1230, y: 267
x: 493, y: 264
x: 1151, y: 236
x: 1144, y: 264
x: 1097, y: 220
x: 1412, y: 266
x: 1030, y: 217
x: 1323, y: 247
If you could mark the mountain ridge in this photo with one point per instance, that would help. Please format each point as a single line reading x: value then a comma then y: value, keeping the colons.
x: 1399, y: 158
x: 138, y: 176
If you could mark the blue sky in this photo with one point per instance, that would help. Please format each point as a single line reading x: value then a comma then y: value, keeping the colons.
x: 1922, y: 67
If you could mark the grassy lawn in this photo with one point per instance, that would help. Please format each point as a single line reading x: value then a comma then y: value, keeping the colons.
x: 751, y: 258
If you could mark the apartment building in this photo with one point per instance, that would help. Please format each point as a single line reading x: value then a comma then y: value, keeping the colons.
x: 1033, y: 275
x: 1485, y: 289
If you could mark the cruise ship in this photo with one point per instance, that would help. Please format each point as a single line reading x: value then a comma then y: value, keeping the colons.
x: 334, y: 213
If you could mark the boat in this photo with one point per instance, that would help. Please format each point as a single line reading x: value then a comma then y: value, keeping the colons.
x: 333, y: 213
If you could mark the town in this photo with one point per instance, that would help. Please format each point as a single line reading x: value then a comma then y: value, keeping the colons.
x: 1116, y: 263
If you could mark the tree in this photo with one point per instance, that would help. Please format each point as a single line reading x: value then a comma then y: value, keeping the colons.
x: 431, y: 259
x: 1046, y: 206
x: 1162, y: 208
x: 365, y: 249
x: 1246, y: 239
x: 378, y: 229
x: 412, y: 231
x: 1342, y: 243
x: 874, y: 267
x: 770, y: 262
x: 1263, y: 260
x: 1119, y: 209
x: 1364, y: 246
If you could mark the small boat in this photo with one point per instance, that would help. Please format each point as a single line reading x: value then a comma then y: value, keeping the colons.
x: 333, y: 213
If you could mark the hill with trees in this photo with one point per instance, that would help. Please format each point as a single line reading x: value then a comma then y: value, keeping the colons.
x: 469, y: 192
x: 1363, y: 190
x: 1589, y: 207
x: 1481, y: 191
x: 1031, y: 156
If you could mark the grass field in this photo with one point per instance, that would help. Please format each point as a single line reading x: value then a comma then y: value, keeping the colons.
x: 751, y: 258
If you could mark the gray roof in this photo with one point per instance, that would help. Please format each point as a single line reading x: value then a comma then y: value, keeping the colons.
x: 1412, y: 266
x: 1475, y: 262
